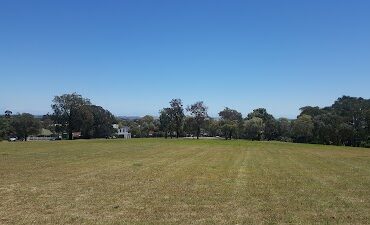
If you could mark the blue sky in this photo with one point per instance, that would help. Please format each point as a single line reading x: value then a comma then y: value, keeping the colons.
x: 132, y: 57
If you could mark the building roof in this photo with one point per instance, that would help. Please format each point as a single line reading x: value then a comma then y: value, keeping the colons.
x: 45, y: 132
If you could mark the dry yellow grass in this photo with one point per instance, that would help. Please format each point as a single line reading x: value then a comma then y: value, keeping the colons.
x: 157, y: 181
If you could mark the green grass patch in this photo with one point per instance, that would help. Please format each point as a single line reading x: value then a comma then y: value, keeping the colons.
x: 157, y: 181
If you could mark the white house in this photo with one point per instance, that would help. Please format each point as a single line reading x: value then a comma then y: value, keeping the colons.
x: 122, y: 131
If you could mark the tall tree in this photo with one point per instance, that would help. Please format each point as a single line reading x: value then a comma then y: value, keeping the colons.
x: 26, y: 124
x: 147, y: 125
x: 231, y: 122
x: 67, y: 109
x: 165, y: 121
x: 199, y: 112
x: 212, y: 127
x: 269, y: 123
x: 284, y: 129
x: 254, y: 128
x: 310, y: 110
x: 260, y: 113
x: 5, y: 127
x: 135, y: 128
x: 85, y: 121
x: 190, y: 126
x: 102, y: 121
x: 343, y: 123
x: 177, y: 115
x: 353, y: 112
x: 302, y: 128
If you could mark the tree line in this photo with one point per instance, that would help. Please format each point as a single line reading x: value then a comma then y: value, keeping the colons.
x: 71, y: 113
x: 345, y: 122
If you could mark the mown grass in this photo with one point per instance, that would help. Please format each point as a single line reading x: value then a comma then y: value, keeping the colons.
x: 157, y: 181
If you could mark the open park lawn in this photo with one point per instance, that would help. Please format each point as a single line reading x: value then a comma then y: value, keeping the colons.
x: 158, y: 181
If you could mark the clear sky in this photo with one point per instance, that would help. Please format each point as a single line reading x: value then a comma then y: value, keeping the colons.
x: 132, y: 57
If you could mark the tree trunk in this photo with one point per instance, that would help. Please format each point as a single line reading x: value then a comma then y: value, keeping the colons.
x: 70, y: 135
x: 198, y: 132
x: 70, y: 130
x: 25, y: 133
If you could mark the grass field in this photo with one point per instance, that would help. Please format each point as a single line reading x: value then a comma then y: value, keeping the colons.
x: 157, y: 181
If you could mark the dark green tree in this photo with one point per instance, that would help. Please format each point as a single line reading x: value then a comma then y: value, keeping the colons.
x: 147, y: 125
x: 254, y: 128
x: 190, y: 126
x: 26, y: 124
x: 177, y: 115
x: 67, y: 111
x: 5, y: 127
x: 269, y: 123
x: 199, y: 112
x: 353, y: 111
x: 212, y: 127
x: 102, y: 121
x: 310, y: 110
x: 230, y: 123
x: 302, y: 129
x: 165, y: 122
x: 284, y: 129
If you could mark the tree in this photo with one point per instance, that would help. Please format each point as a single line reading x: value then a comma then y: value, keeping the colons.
x: 212, y: 127
x: 165, y: 121
x: 190, y: 126
x: 260, y: 113
x: 102, y: 121
x: 67, y: 109
x: 284, y: 129
x: 135, y: 128
x: 8, y: 113
x: 269, y: 123
x: 302, y: 128
x: 354, y: 112
x: 231, y: 122
x: 47, y: 122
x: 343, y: 123
x: 254, y: 128
x: 177, y: 115
x: 5, y: 127
x: 345, y: 133
x: 310, y: 110
x: 25, y: 124
x: 84, y: 121
x: 156, y: 131
x: 147, y: 125
x: 199, y: 112
x: 327, y: 128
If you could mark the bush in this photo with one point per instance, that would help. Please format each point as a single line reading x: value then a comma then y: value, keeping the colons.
x: 286, y: 139
x: 365, y: 144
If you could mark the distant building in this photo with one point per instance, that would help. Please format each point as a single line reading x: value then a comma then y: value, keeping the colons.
x: 122, y: 132
x: 76, y: 134
x: 44, y: 135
